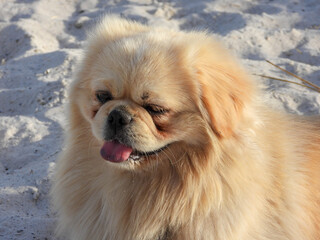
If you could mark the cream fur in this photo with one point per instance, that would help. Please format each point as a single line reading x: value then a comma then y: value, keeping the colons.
x: 235, y: 170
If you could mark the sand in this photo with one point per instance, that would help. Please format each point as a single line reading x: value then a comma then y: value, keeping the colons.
x: 41, y: 42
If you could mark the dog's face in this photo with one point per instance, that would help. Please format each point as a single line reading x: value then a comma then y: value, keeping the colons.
x: 147, y: 96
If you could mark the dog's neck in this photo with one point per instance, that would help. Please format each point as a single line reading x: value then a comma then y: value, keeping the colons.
x: 180, y: 191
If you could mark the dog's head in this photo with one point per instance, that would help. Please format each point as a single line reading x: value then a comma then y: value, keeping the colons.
x: 154, y: 94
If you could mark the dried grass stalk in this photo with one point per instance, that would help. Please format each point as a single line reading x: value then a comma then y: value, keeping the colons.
x: 304, y: 83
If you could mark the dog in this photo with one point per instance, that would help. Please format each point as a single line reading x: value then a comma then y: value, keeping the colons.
x: 168, y: 139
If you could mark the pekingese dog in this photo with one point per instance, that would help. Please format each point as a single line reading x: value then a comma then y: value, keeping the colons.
x: 168, y: 140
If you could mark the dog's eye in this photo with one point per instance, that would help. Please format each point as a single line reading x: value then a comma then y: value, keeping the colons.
x: 155, y: 109
x: 103, y: 97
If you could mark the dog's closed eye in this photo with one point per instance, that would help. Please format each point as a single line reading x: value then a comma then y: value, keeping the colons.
x: 155, y: 109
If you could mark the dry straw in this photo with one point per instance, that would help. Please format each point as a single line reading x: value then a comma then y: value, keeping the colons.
x: 304, y: 83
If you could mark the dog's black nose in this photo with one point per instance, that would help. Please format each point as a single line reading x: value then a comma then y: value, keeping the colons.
x: 117, y: 119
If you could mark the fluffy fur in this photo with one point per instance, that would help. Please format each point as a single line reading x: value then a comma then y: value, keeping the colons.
x: 232, y: 169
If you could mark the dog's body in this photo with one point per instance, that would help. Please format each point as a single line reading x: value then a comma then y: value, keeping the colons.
x: 215, y: 163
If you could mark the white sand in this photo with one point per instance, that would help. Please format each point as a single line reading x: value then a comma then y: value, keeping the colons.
x: 40, y: 44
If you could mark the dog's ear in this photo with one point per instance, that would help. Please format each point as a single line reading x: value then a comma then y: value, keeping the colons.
x: 225, y: 88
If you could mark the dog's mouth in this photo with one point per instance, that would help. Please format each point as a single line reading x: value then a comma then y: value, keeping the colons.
x: 114, y: 151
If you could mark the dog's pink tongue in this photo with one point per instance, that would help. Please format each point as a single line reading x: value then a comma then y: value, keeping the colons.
x: 115, y: 152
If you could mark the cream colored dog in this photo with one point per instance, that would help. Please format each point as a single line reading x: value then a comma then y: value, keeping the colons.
x: 167, y: 140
